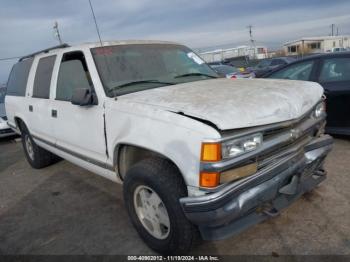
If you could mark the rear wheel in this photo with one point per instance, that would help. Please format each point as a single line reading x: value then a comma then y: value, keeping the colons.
x: 36, y: 156
x: 152, y: 190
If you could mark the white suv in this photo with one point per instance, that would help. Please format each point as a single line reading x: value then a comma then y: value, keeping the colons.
x: 195, y: 153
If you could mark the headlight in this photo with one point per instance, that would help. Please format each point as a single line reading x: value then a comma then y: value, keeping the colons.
x: 320, y: 110
x: 241, y: 145
x: 216, y: 151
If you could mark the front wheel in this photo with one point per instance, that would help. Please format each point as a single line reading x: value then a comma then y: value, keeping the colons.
x: 152, y: 190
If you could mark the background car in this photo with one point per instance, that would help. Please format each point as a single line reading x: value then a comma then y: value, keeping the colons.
x: 338, y: 49
x: 332, y: 71
x: 231, y: 72
x: 267, y: 65
x: 240, y: 62
x: 5, y: 130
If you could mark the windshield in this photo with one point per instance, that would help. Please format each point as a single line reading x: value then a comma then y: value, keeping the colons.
x: 2, y: 95
x: 131, y: 68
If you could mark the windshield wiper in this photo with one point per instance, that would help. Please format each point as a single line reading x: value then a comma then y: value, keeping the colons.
x: 144, y: 81
x: 195, y: 74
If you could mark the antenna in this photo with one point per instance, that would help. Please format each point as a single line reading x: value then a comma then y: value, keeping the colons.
x: 94, y: 17
x: 57, y: 32
x: 99, y: 37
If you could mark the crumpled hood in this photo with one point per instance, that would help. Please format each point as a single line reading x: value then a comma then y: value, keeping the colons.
x: 237, y: 103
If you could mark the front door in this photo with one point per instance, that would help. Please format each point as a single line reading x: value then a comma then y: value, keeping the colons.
x: 79, y: 129
x: 335, y: 79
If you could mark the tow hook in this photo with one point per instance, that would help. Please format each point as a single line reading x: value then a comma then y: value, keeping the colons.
x: 320, y: 172
x: 268, y: 210
x: 271, y: 212
x: 291, y: 188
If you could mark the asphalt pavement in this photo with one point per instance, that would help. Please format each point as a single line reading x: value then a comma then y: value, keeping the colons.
x: 63, y: 209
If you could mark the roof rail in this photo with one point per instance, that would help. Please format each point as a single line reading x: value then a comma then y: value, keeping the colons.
x: 44, y: 51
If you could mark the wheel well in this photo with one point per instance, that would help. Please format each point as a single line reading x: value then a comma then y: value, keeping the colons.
x: 19, y: 123
x: 125, y: 156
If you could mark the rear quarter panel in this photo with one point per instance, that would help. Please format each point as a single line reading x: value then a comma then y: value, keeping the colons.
x: 15, y: 107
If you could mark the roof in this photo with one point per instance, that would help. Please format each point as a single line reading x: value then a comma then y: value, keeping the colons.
x: 317, y: 38
x: 125, y: 42
x: 98, y: 44
x: 327, y: 55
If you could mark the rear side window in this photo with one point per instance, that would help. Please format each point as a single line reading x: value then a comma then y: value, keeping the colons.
x: 335, y: 69
x: 299, y: 71
x: 43, y: 75
x: 17, y: 82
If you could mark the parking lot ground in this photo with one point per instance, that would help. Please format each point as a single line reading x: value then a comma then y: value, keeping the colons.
x: 63, y: 209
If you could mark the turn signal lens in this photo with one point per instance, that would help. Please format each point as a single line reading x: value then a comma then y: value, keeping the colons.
x: 211, y: 152
x: 209, y: 179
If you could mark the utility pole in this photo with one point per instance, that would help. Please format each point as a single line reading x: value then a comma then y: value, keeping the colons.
x: 332, y: 26
x: 252, y: 44
x: 250, y: 31
x: 57, y: 32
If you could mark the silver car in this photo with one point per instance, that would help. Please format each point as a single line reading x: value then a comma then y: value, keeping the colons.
x: 5, y: 130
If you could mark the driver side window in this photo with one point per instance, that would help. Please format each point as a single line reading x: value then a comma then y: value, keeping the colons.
x: 73, y: 74
x: 299, y: 71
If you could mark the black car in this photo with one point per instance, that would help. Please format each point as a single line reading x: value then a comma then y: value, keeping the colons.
x: 268, y: 65
x: 332, y: 71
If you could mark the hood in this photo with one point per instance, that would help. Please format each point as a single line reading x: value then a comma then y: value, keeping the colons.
x: 232, y: 104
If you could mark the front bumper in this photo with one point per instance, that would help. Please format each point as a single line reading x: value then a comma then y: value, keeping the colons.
x: 240, y: 205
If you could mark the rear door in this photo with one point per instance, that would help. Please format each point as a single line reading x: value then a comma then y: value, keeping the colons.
x: 79, y: 129
x: 334, y: 76
x: 39, y: 103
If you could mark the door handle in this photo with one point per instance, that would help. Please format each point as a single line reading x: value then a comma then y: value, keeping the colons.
x: 54, y: 113
x: 30, y: 108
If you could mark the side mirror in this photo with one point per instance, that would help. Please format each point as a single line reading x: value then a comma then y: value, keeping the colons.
x: 84, y: 97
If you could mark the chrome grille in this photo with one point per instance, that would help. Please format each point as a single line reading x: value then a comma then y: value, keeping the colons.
x: 294, y: 144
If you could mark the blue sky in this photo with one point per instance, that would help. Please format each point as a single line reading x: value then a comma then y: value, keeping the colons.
x: 26, y: 26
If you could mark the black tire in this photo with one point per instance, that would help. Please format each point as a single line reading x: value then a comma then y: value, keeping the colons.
x: 163, y: 178
x: 37, y: 157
